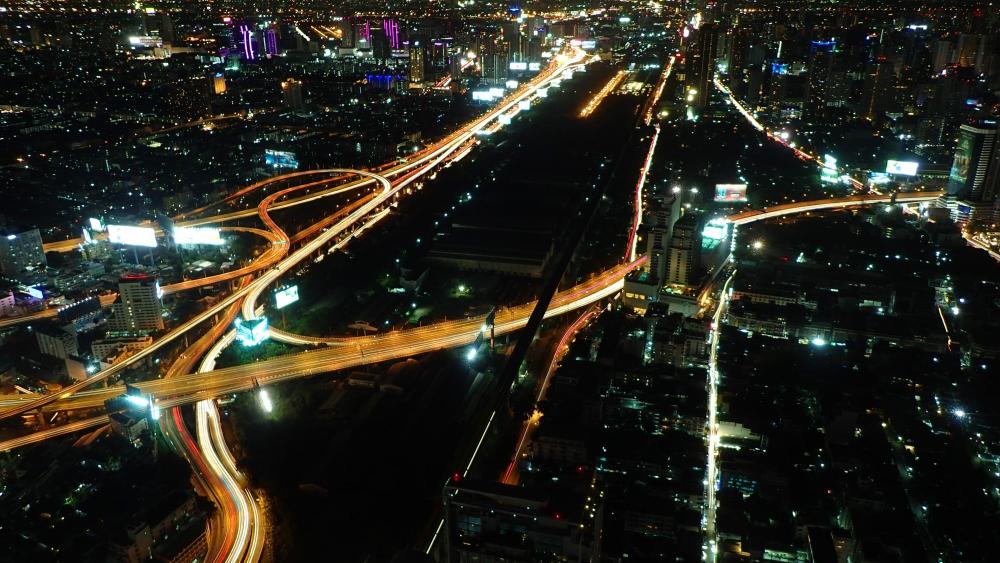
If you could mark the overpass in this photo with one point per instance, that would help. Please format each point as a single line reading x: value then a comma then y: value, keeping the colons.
x: 783, y: 210
x: 356, y: 351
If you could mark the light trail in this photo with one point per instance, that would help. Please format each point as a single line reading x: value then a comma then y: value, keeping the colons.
x: 637, y: 217
x: 658, y: 91
x: 609, y: 87
x: 184, y: 389
x: 711, y: 468
x: 560, y: 350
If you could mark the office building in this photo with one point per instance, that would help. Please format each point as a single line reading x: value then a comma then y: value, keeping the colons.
x: 291, y: 90
x: 416, y: 64
x: 138, y: 307
x: 487, y: 521
x: 663, y: 213
x: 219, y: 83
x: 877, y: 97
x: 56, y: 342
x: 701, y: 68
x: 22, y: 257
x: 683, y: 251
x: 969, y: 177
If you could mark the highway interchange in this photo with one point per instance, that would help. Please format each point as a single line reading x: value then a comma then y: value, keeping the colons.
x: 239, y: 534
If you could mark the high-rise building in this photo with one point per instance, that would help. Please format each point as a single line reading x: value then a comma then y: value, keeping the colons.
x: 291, y: 90
x: 702, y: 68
x: 138, y: 307
x: 683, y: 251
x: 819, y: 75
x: 663, y: 213
x: 269, y: 38
x: 219, y: 83
x: 416, y: 63
x: 22, y: 256
x: 976, y: 148
x: 247, y: 41
x: 878, y: 91
x: 56, y: 342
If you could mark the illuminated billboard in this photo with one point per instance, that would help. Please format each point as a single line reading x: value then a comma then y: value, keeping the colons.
x: 534, y: 66
x: 252, y: 333
x: 511, y: 84
x: 280, y: 159
x: 197, y: 235
x: 286, y: 296
x: 715, y: 229
x: 518, y: 65
x: 145, y: 41
x: 482, y: 95
x: 903, y: 168
x: 95, y: 224
x: 524, y: 105
x: 730, y: 193
x: 132, y: 236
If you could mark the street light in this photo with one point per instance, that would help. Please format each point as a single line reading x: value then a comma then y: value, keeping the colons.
x: 471, y: 354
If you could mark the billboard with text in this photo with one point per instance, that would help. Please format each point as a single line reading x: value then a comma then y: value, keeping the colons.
x: 730, y: 193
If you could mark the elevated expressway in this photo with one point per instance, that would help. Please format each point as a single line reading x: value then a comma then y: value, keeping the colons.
x: 414, y: 168
x: 355, y: 351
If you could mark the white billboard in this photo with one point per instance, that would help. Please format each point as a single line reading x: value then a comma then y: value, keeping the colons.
x: 518, y: 65
x: 482, y: 95
x: 901, y: 167
x: 286, y: 296
x: 197, y: 235
x: 132, y: 236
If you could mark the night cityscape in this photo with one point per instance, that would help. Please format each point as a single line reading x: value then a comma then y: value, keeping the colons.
x: 500, y: 281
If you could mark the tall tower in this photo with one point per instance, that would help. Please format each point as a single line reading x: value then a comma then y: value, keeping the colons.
x: 704, y: 65
x: 138, y: 307
x: 976, y: 148
x: 291, y: 91
x: 683, y: 252
x: 878, y: 91
x: 663, y: 213
x: 416, y: 63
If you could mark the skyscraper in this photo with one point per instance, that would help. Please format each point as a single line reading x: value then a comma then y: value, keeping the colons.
x: 291, y: 90
x: 138, y: 307
x: 877, y: 97
x: 22, y: 257
x: 663, y: 213
x: 703, y: 65
x: 416, y: 63
x: 219, y: 83
x: 683, y: 251
x: 974, y: 151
